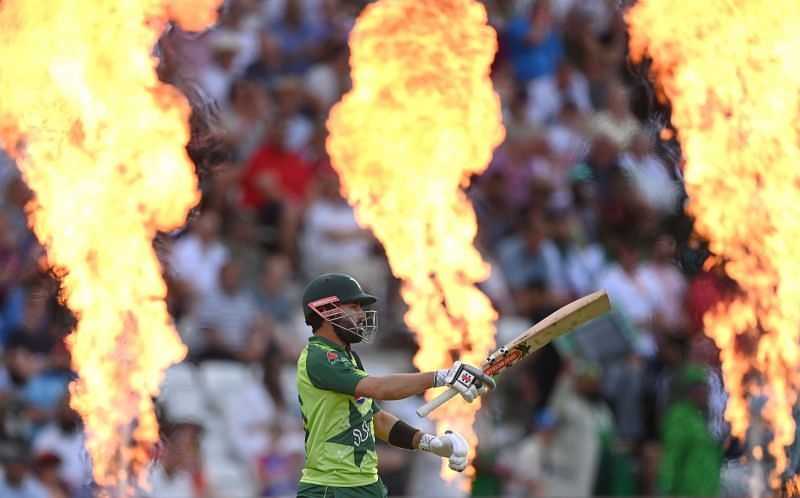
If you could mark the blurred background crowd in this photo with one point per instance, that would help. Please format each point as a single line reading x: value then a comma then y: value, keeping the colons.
x: 585, y: 193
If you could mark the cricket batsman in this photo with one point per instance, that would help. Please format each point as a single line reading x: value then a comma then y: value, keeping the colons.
x: 337, y: 396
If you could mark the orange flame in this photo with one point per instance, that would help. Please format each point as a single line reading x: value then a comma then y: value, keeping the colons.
x: 421, y: 118
x: 728, y: 68
x: 104, y: 153
x: 792, y: 487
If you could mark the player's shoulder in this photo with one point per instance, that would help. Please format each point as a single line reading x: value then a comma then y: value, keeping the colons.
x: 320, y: 354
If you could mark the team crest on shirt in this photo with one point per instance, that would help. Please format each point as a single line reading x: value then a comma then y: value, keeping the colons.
x: 360, y: 400
x: 334, y: 358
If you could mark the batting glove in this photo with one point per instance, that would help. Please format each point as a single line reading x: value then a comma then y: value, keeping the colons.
x: 450, y: 445
x: 468, y: 380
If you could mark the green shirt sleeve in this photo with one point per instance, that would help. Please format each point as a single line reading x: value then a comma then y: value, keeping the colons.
x: 376, y: 408
x: 333, y: 371
x: 674, y: 437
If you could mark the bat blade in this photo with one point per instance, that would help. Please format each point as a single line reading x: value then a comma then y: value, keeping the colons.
x: 536, y: 337
x: 563, y: 320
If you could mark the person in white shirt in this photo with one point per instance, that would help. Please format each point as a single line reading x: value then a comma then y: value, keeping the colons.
x: 65, y: 438
x: 671, y: 284
x: 217, y: 75
x: 616, y: 122
x: 649, y: 174
x: 333, y: 241
x: 633, y: 294
x: 179, y: 471
x: 199, y: 255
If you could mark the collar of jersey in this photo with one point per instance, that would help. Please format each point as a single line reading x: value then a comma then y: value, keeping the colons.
x: 327, y: 342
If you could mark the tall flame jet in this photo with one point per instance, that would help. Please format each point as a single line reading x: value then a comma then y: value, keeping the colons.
x: 421, y: 118
x: 100, y: 141
x: 729, y: 70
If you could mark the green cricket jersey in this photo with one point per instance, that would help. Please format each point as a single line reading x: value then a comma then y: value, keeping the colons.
x: 340, y: 433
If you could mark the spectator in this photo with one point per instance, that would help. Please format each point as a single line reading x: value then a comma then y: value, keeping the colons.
x: 617, y: 123
x: 32, y: 324
x: 549, y: 95
x: 634, y: 295
x: 585, y: 202
x: 47, y: 470
x: 649, y: 174
x: 274, y: 184
x: 291, y: 101
x: 534, y: 45
x: 231, y: 326
x: 333, y: 241
x: 269, y: 67
x: 64, y: 438
x: 178, y: 472
x: 583, y: 435
x: 244, y: 245
x: 240, y: 22
x: 18, y: 480
x: 496, y: 215
x: 671, y: 317
x: 575, y: 269
x: 20, y: 365
x: 299, y: 36
x: 46, y: 389
x: 603, y: 163
x: 276, y: 292
x: 198, y: 256
x: 247, y: 118
x: 566, y: 137
x: 326, y: 81
x: 217, y: 76
x: 525, y: 258
x: 518, y: 162
x: 691, y: 459
x: 536, y: 465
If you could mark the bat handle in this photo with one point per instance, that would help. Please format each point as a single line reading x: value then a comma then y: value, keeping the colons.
x: 436, y: 402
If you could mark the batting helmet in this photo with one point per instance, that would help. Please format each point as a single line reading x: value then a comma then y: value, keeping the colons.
x: 334, y: 285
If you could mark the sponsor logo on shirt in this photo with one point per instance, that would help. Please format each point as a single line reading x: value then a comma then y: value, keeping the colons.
x: 361, y: 434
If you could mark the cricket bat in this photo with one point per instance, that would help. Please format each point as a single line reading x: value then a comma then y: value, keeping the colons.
x: 539, y: 335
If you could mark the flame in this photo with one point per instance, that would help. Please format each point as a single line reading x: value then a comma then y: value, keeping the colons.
x: 420, y: 119
x: 101, y: 143
x: 728, y: 68
x: 792, y: 487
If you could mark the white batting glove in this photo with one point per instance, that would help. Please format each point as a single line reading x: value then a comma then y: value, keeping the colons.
x: 450, y: 445
x: 468, y: 380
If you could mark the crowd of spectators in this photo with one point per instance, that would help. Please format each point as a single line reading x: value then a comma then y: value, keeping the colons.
x: 582, y: 195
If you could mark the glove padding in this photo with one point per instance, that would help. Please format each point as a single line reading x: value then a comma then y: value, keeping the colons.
x: 468, y: 380
x: 450, y: 445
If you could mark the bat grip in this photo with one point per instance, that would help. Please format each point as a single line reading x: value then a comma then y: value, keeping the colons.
x: 436, y: 402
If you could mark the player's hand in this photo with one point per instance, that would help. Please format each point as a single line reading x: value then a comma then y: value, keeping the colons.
x: 468, y: 380
x: 450, y: 445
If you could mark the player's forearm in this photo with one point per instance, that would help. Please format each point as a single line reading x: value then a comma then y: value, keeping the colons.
x: 405, y: 436
x: 395, y: 386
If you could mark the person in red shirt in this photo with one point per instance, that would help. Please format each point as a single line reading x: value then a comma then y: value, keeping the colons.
x: 274, y: 185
